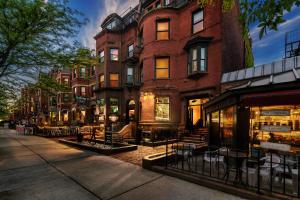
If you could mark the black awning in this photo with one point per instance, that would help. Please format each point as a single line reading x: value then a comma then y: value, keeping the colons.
x: 196, y: 41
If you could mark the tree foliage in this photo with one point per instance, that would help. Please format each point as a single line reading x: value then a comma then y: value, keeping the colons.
x: 36, y: 37
x: 267, y: 13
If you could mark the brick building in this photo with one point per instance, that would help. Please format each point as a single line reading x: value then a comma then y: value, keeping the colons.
x: 163, y: 60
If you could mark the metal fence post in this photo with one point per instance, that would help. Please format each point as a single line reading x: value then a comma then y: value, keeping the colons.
x: 258, y: 172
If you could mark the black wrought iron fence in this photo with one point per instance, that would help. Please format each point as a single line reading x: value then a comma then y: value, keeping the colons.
x: 262, y: 171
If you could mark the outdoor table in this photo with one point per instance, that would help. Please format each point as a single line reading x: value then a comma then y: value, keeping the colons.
x: 234, y: 160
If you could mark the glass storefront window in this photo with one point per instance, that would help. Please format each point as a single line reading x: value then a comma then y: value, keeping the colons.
x: 279, y: 124
x: 226, y: 125
x: 162, y: 108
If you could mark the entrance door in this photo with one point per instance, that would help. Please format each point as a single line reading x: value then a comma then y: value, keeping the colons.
x: 130, y: 111
x: 196, y: 113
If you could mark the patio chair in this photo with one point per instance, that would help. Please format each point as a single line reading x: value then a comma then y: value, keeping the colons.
x: 285, y: 169
x: 186, y: 151
x: 265, y: 168
x: 214, y: 159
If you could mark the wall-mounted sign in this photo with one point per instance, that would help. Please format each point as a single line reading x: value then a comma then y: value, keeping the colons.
x: 275, y: 113
x: 108, y: 138
x: 276, y: 128
x: 275, y: 146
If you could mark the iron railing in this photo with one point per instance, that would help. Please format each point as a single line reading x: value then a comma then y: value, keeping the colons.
x: 256, y: 170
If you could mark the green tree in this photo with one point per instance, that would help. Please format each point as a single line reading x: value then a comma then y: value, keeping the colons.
x: 268, y: 14
x: 35, y: 37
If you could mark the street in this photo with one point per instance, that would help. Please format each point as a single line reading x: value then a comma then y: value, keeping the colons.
x: 38, y: 168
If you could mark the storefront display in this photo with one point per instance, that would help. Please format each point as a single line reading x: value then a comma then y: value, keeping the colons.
x: 278, y: 124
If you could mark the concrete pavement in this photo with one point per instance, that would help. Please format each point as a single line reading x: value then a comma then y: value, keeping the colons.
x: 38, y: 168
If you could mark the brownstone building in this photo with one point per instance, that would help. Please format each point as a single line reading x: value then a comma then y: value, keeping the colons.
x: 163, y: 60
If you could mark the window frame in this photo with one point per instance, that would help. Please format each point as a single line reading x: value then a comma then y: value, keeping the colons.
x: 93, y: 71
x: 193, y: 16
x: 100, y: 81
x: 110, y: 54
x: 101, y: 58
x: 165, y: 2
x: 132, y: 75
x: 169, y: 107
x: 155, y: 67
x: 64, y: 98
x: 80, y: 72
x: 110, y: 85
x: 198, y: 60
x: 157, y: 31
x: 110, y: 105
x: 83, y: 94
x: 130, y: 52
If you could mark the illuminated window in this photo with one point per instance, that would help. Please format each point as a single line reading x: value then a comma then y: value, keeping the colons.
x: 197, y: 60
x: 197, y: 21
x: 66, y: 81
x: 101, y: 81
x: 82, y: 72
x: 101, y: 55
x: 162, y: 68
x: 75, y: 91
x: 83, y: 91
x: 114, y: 105
x: 114, y: 54
x: 129, y: 75
x: 65, y: 117
x: 114, y: 80
x: 162, y: 108
x: 101, y: 103
x: 130, y: 51
x: 162, y: 30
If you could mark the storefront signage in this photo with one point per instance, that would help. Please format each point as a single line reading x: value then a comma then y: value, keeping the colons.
x: 275, y: 113
x: 276, y: 128
x: 108, y: 138
x: 275, y: 146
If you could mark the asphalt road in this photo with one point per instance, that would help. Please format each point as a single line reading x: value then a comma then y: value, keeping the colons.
x: 38, y: 168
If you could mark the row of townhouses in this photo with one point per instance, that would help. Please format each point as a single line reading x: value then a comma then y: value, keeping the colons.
x: 159, y: 64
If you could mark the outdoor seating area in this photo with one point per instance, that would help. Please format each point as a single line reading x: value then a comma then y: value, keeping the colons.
x: 268, y: 171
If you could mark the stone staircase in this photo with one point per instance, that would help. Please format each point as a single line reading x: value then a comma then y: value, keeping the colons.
x: 198, y: 137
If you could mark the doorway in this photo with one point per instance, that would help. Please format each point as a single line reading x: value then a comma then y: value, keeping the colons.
x: 196, y: 113
x: 130, y: 115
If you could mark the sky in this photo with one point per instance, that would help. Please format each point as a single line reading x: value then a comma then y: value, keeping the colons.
x: 268, y: 49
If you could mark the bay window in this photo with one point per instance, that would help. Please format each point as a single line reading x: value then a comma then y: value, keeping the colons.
x: 101, y: 55
x: 163, y: 30
x: 162, y: 66
x: 197, y: 60
x: 82, y: 91
x: 114, y: 80
x: 114, y: 54
x: 130, y: 51
x: 101, y: 81
x: 114, y: 105
x: 82, y: 72
x: 129, y: 75
x: 162, y: 108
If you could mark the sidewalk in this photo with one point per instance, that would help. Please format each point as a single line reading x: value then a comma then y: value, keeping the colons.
x: 38, y: 168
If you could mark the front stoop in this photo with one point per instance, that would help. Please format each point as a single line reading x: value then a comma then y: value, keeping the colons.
x: 217, y: 185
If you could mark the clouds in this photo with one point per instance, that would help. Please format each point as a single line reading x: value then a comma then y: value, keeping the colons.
x: 107, y: 7
x: 271, y: 46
